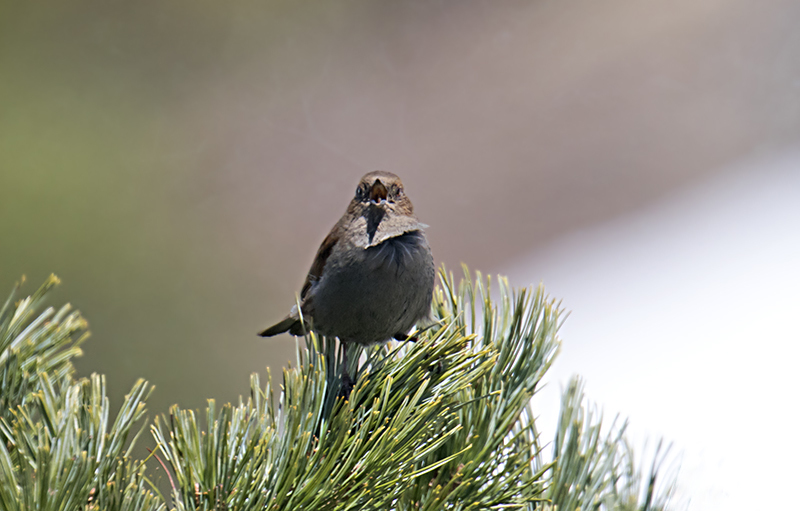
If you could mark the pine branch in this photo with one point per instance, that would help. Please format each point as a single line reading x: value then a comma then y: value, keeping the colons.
x: 31, y: 347
x: 58, y: 448
x: 596, y: 471
x: 441, y: 423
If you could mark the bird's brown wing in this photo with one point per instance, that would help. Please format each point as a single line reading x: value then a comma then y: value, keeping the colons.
x: 318, y: 266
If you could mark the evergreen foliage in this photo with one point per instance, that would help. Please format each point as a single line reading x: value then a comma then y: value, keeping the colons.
x: 441, y: 423
x: 59, y: 449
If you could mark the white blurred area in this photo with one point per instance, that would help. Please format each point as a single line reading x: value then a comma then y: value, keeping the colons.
x: 686, y: 319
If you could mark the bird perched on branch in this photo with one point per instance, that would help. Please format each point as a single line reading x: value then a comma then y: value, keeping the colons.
x: 372, y: 279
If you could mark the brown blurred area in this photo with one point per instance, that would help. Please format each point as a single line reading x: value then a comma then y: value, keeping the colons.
x: 178, y: 163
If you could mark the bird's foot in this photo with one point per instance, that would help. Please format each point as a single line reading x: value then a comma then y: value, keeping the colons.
x: 404, y: 337
x: 346, y: 386
x: 437, y: 367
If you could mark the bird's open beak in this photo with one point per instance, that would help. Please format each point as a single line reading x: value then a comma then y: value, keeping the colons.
x: 378, y: 192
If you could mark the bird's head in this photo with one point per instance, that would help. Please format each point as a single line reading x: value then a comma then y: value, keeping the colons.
x: 381, y: 190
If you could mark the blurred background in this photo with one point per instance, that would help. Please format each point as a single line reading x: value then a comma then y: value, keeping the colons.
x: 178, y: 163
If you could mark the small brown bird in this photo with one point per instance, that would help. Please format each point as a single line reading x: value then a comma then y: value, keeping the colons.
x: 372, y: 279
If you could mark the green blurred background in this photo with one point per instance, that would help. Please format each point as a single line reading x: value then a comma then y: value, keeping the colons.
x: 177, y: 163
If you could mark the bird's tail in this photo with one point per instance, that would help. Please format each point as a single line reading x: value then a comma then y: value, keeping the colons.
x: 291, y: 324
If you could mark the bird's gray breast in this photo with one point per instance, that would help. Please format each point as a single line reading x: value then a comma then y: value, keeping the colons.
x: 407, y: 252
x: 369, y: 294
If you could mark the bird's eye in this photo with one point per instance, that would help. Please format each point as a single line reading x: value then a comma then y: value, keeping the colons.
x: 396, y: 190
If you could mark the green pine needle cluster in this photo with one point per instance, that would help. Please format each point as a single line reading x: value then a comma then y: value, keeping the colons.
x: 445, y: 422
x: 59, y: 448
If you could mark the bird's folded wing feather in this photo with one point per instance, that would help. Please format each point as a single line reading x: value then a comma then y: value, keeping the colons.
x: 318, y: 266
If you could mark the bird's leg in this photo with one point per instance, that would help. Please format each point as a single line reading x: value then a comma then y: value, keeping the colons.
x: 438, y: 367
x: 347, y: 382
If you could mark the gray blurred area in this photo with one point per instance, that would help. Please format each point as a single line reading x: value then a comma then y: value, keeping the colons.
x: 178, y: 163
